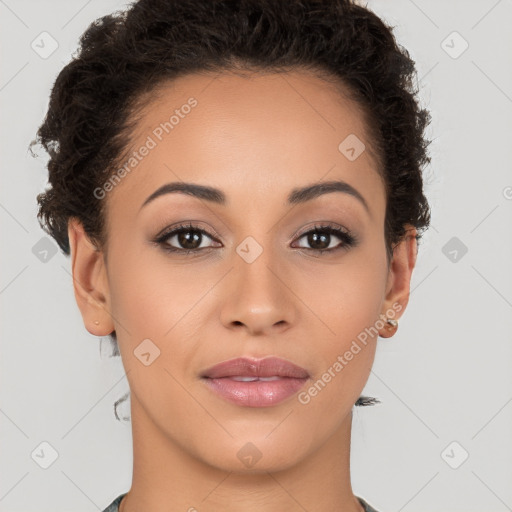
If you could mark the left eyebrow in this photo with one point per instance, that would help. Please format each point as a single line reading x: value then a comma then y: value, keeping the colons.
x: 301, y: 195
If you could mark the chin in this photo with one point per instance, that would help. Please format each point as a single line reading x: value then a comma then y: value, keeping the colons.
x: 253, y: 455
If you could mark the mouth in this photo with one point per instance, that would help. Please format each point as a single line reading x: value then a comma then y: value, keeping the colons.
x: 257, y: 368
x: 255, y: 383
x: 241, y: 378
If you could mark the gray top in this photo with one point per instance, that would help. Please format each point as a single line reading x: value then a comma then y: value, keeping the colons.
x: 114, y: 506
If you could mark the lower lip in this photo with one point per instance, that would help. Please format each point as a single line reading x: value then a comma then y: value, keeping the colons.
x: 256, y: 393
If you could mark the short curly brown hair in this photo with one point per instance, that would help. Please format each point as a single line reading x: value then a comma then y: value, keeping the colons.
x: 124, y: 56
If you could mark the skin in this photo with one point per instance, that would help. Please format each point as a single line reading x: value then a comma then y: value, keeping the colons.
x: 255, y: 138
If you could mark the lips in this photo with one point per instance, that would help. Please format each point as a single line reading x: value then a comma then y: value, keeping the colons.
x: 255, y: 382
x: 246, y: 369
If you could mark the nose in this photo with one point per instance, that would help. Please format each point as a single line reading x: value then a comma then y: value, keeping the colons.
x: 258, y: 299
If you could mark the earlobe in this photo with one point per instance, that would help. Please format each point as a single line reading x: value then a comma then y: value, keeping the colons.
x: 399, y: 279
x: 90, y: 282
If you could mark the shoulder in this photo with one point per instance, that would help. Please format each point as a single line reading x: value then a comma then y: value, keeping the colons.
x: 114, y: 506
x: 367, y: 507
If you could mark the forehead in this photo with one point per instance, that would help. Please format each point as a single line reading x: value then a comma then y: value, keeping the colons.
x: 258, y: 135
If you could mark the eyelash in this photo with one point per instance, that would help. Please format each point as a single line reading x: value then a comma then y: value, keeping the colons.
x: 348, y: 239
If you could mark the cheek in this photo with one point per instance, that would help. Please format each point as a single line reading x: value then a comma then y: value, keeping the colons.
x: 348, y: 303
x: 347, y: 299
x: 149, y: 297
x: 156, y: 302
x: 345, y: 358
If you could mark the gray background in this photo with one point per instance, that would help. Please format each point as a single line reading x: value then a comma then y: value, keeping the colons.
x: 445, y: 378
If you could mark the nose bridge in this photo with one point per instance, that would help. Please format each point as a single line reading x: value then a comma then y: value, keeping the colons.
x: 254, y: 269
x: 259, y: 298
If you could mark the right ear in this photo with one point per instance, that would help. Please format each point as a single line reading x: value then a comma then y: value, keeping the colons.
x: 90, y: 281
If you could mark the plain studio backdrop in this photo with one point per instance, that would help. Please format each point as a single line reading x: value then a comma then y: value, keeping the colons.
x: 441, y: 438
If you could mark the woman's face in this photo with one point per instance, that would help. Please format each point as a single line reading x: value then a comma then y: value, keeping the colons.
x: 253, y: 284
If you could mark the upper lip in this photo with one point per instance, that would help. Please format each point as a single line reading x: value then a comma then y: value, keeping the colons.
x: 248, y: 367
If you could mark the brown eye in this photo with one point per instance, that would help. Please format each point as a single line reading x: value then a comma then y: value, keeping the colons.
x: 189, y: 239
x: 323, y: 239
x: 185, y: 238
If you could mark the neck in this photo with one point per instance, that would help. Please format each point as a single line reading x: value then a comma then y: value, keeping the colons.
x: 167, y: 478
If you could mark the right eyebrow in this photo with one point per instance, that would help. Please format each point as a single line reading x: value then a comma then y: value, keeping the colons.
x: 201, y: 191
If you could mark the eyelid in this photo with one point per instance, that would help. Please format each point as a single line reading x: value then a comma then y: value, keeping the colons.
x: 189, y: 224
x: 318, y: 225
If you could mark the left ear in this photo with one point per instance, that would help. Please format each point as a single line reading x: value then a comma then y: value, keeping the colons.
x: 399, y: 278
